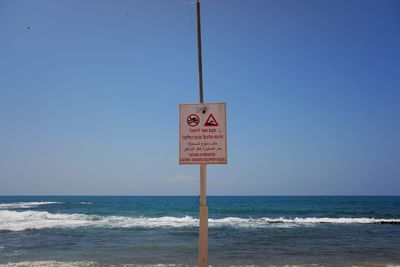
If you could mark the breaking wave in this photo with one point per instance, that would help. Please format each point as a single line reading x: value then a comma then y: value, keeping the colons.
x: 23, y: 220
x: 26, y: 205
x: 51, y: 264
x: 84, y: 264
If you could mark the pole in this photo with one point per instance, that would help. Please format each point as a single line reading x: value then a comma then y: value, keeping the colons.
x: 203, y: 229
x: 199, y: 60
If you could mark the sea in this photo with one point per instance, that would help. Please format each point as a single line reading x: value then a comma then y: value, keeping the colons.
x: 163, y: 231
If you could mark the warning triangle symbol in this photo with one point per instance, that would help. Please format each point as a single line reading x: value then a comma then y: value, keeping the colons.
x: 211, y: 121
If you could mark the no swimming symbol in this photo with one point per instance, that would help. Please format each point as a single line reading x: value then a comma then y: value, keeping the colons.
x: 193, y: 120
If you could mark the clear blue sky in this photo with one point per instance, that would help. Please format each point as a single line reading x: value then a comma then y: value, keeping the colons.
x: 89, y: 95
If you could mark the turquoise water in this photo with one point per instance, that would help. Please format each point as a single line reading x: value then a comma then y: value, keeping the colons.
x: 82, y: 230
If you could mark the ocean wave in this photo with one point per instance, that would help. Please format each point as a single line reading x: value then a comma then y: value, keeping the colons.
x: 19, y: 221
x: 85, y: 264
x: 98, y: 264
x: 52, y: 264
x: 26, y: 205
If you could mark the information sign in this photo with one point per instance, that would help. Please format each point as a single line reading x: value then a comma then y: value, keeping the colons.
x: 202, y: 133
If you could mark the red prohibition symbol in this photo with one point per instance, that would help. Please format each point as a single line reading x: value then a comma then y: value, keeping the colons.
x: 193, y: 120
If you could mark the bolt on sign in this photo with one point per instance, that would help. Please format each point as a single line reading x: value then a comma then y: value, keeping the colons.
x: 202, y: 133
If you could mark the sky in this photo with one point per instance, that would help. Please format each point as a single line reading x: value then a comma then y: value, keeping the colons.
x: 90, y: 90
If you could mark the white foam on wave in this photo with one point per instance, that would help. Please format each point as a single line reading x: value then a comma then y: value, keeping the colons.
x: 19, y: 221
x: 51, y: 264
x: 290, y: 222
x: 98, y: 264
x: 328, y: 220
x: 26, y: 205
x: 82, y: 264
x: 23, y: 220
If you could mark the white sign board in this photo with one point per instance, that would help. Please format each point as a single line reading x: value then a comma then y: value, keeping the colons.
x: 202, y: 133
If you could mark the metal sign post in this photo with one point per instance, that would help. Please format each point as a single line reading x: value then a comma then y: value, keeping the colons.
x: 202, y: 140
x: 203, y: 231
